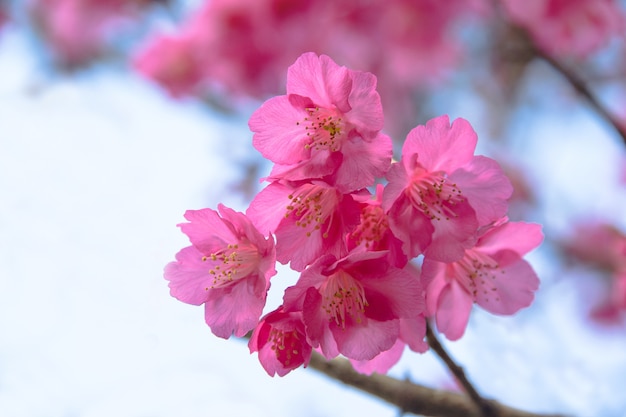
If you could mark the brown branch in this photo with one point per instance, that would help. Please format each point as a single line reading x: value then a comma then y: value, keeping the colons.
x: 581, y: 87
x: 459, y: 374
x: 410, y: 397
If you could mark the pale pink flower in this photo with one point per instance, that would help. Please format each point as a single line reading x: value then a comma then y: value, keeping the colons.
x: 492, y: 274
x: 597, y: 243
x: 173, y: 61
x: 227, y: 268
x: 568, y: 27
x: 440, y: 193
x: 308, y: 219
x: 281, y: 342
x: 326, y: 126
x: 353, y: 305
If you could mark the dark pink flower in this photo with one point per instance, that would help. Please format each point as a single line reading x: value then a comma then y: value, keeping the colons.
x: 227, y: 268
x: 308, y: 219
x: 281, y: 342
x: 492, y: 274
x: 572, y: 27
x: 327, y: 126
x: 373, y: 232
x: 353, y: 305
x: 439, y: 194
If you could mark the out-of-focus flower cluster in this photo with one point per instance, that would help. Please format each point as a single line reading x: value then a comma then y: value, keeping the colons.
x: 79, y: 31
x: 356, y: 245
x: 602, y: 246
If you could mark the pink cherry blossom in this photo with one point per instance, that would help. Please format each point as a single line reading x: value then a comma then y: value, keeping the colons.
x: 443, y: 191
x: 281, y: 342
x: 227, y: 268
x: 353, y: 305
x: 308, y: 219
x: 327, y: 126
x: 492, y: 274
x: 373, y: 232
x: 568, y: 27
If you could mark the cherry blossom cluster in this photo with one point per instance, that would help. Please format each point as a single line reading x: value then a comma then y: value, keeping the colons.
x: 237, y: 48
x: 568, y: 27
x: 77, y: 31
x: 379, y: 246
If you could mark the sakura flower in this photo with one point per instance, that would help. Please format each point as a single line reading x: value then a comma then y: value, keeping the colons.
x: 353, y: 305
x: 281, y: 342
x: 574, y: 27
x: 373, y: 232
x: 308, y: 219
x: 227, y: 268
x: 492, y: 274
x: 327, y: 126
x: 439, y: 194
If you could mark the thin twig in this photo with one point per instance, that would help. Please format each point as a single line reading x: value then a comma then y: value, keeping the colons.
x: 458, y: 373
x: 581, y: 87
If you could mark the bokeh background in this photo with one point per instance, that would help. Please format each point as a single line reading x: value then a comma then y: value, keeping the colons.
x: 101, y: 154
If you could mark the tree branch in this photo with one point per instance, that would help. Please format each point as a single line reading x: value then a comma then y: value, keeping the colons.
x: 459, y: 374
x: 581, y: 87
x: 410, y: 397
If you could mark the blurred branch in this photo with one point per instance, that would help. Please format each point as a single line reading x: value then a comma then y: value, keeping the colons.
x: 410, y: 397
x: 581, y: 87
x: 459, y: 374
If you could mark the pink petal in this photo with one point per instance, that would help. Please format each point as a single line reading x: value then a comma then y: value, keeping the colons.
x: 277, y: 132
x: 516, y: 236
x: 320, y: 79
x: 363, y: 162
x: 441, y: 146
x: 207, y: 230
x: 508, y: 289
x: 189, y: 278
x: 235, y: 309
x: 367, y: 111
x: 382, y: 362
x: 364, y: 342
x: 453, y: 309
x: 486, y: 187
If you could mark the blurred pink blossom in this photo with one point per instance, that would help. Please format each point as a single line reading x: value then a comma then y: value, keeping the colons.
x: 248, y: 44
x: 78, y: 30
x: 568, y: 27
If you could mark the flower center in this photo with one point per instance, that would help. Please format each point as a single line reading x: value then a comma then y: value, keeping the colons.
x: 372, y: 228
x: 323, y: 128
x: 285, y: 345
x: 312, y: 205
x: 477, y: 271
x: 232, y: 263
x: 342, y: 297
x: 434, y: 195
